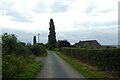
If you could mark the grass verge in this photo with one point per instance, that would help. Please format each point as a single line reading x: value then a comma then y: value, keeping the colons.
x: 84, y: 69
x: 31, y: 71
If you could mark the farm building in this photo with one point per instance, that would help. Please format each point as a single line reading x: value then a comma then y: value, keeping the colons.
x: 88, y: 44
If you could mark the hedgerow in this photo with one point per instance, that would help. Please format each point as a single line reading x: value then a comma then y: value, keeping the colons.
x: 103, y: 59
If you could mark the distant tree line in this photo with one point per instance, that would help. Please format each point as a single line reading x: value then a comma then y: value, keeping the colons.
x: 63, y: 43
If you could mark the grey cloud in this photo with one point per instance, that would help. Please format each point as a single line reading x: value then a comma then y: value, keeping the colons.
x: 93, y: 10
x: 90, y: 9
x: 58, y: 7
x: 96, y: 24
x: 21, y: 18
x: 55, y: 7
x: 41, y: 8
x: 112, y: 23
x: 106, y: 11
x: 8, y: 10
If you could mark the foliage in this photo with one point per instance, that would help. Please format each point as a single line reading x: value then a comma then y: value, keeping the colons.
x: 17, y: 57
x: 34, y: 40
x: 9, y: 43
x: 20, y: 67
x: 31, y: 70
x: 12, y: 45
x: 84, y: 69
x: 22, y: 49
x: 52, y: 35
x: 104, y: 59
x: 13, y: 65
x: 39, y: 49
x: 57, y: 49
x: 63, y: 43
x: 46, y: 45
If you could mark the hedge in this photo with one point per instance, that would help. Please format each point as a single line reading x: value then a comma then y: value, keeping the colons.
x: 104, y: 59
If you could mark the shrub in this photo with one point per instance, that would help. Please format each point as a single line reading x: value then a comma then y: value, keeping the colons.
x: 104, y: 59
x: 22, y: 49
x: 39, y: 49
x: 9, y: 43
x: 12, y: 65
x: 17, y: 56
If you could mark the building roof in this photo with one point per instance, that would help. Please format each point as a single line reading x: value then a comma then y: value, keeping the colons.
x: 92, y: 43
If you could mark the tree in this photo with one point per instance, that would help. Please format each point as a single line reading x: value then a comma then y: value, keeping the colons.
x: 52, y: 35
x: 9, y: 43
x: 39, y: 49
x: 34, y: 40
x: 63, y: 43
x: 23, y: 49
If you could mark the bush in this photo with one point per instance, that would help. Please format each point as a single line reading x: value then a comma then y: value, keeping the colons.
x: 31, y: 71
x: 39, y: 49
x: 9, y: 43
x: 17, y: 56
x: 12, y: 65
x: 104, y: 59
x: 22, y: 49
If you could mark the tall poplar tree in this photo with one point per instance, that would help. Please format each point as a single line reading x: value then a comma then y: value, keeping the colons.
x: 52, y: 35
x: 34, y: 40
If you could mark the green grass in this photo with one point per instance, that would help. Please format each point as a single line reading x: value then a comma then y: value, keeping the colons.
x: 31, y: 71
x: 84, y: 69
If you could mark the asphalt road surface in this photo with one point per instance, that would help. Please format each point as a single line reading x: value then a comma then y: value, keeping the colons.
x: 55, y: 67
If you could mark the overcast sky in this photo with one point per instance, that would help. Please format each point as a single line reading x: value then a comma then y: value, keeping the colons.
x: 74, y: 19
